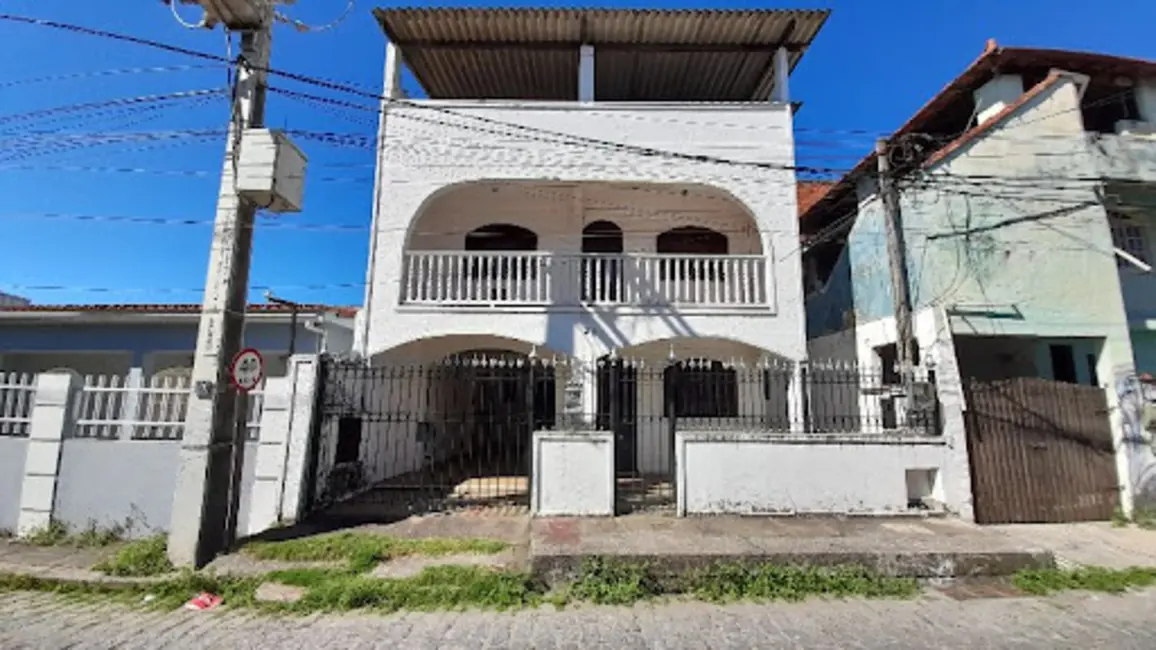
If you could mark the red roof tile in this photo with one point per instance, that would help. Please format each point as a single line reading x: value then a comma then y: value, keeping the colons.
x: 809, y: 192
x: 959, y: 89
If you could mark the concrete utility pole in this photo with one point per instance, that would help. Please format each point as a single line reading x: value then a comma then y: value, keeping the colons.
x: 897, y: 261
x: 213, y: 446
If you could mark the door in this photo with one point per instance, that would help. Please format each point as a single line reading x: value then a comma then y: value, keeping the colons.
x: 618, y: 412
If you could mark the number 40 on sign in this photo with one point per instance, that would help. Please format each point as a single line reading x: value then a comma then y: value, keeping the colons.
x: 247, y: 370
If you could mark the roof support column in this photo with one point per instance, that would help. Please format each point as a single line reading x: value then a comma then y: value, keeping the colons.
x: 586, y: 73
x: 781, y: 93
x: 391, y: 84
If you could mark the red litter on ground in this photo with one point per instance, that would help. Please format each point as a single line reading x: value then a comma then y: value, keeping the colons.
x: 204, y: 601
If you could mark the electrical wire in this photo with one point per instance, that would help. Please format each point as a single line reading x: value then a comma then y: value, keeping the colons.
x: 306, y: 28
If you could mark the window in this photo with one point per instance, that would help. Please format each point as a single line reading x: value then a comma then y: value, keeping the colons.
x: 690, y: 241
x: 348, y: 440
x: 1128, y: 236
x: 1063, y: 363
x: 502, y: 237
x: 701, y: 389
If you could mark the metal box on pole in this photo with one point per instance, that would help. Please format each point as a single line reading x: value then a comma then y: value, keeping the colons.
x: 271, y: 171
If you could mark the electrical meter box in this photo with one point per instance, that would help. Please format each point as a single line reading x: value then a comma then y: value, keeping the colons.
x: 271, y: 171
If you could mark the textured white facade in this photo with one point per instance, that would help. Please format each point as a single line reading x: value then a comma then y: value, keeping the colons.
x: 448, y: 167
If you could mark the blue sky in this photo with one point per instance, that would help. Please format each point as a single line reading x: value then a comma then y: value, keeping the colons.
x: 872, y: 66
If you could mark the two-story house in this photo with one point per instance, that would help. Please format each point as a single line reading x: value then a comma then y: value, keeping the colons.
x: 1027, y: 203
x: 585, y: 183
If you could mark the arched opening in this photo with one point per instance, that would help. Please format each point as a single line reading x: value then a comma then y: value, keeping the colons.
x: 602, y: 262
x: 691, y: 241
x: 498, y: 276
x: 501, y: 237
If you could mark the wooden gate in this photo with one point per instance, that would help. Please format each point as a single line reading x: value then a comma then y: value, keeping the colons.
x: 1040, y: 451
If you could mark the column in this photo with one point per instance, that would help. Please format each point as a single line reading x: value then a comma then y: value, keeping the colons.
x: 52, y: 419
x: 130, y: 408
x: 781, y: 92
x: 586, y: 73
x: 797, y: 397
x: 305, y: 375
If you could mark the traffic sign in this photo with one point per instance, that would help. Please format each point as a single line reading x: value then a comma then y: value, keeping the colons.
x: 247, y: 370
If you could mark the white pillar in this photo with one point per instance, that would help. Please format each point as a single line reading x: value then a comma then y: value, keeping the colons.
x: 272, y: 439
x: 304, y: 375
x: 586, y: 73
x: 781, y: 93
x: 52, y: 418
x: 797, y: 398
x: 130, y: 408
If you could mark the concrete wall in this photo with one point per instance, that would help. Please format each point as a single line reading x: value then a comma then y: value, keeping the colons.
x: 421, y: 158
x: 111, y: 482
x: 573, y: 474
x: 752, y: 473
x: 12, y: 456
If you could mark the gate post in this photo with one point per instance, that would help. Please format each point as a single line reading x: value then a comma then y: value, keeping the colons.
x: 670, y: 397
x: 306, y: 388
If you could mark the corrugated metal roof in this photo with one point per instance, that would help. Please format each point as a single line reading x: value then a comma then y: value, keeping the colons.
x: 641, y: 55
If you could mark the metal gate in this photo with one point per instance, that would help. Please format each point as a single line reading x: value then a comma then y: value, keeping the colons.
x: 404, y: 438
x: 1040, y: 451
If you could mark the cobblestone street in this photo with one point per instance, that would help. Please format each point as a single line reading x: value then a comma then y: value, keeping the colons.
x: 1066, y: 621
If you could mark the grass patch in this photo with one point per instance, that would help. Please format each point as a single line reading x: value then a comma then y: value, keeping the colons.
x: 1042, y: 582
x: 362, y: 551
x: 58, y: 533
x: 435, y: 588
x: 609, y: 582
x: 731, y: 582
x: 164, y: 595
x: 142, y: 557
x: 600, y: 581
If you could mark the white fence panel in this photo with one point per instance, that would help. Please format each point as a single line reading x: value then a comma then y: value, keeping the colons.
x: 17, y: 393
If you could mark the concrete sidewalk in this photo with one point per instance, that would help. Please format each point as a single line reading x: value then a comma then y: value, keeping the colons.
x: 924, y: 548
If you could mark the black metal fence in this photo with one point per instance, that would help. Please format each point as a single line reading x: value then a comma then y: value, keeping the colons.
x: 457, y: 432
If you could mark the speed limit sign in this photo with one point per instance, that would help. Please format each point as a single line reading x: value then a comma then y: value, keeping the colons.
x: 247, y: 370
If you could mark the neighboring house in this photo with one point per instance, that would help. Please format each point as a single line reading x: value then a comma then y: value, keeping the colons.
x: 112, y: 340
x: 9, y: 300
x: 1028, y: 198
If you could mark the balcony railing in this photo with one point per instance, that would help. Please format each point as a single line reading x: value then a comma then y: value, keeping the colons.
x: 447, y: 278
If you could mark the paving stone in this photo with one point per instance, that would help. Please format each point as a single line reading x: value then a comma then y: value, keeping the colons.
x: 408, y: 566
x: 275, y: 592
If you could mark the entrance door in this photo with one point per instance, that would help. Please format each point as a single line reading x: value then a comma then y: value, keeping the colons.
x: 602, y: 270
x: 617, y: 407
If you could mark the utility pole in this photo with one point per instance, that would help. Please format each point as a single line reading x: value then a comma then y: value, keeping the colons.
x: 212, y: 449
x: 897, y: 261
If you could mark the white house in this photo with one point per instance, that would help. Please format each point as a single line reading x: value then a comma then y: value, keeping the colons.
x: 582, y: 184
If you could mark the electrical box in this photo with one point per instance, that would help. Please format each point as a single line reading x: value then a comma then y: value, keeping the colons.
x: 271, y: 171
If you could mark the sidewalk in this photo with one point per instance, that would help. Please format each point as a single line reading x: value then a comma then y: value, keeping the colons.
x: 555, y: 548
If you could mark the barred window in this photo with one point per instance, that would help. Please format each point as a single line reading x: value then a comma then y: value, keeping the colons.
x: 1128, y: 235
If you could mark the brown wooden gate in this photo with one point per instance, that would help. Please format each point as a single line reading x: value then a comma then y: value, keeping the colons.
x: 1041, y: 451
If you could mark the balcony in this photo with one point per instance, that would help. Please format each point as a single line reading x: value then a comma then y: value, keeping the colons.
x: 447, y: 279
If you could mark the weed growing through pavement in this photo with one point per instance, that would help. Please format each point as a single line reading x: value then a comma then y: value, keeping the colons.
x: 58, y: 533
x: 142, y: 557
x: 599, y: 581
x: 363, y: 551
x: 1042, y: 582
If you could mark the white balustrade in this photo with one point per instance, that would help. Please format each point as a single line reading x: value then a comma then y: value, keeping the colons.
x: 447, y: 278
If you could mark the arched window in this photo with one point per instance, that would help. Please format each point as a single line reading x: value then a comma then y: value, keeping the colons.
x: 496, y: 237
x: 690, y: 240
x: 601, y: 270
x: 701, y: 388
